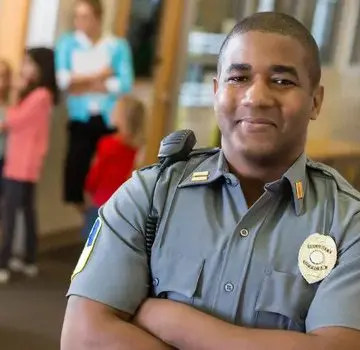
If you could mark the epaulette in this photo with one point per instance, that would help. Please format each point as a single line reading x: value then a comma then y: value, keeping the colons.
x: 204, y: 151
x: 320, y: 167
x: 342, y: 184
x: 196, y: 152
x: 151, y: 166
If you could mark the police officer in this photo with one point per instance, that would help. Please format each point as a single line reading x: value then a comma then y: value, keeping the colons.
x: 257, y: 246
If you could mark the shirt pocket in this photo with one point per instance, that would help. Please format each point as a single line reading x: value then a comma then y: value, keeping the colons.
x: 176, y: 277
x: 283, y: 302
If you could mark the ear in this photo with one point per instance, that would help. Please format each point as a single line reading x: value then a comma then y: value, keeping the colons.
x: 215, y: 85
x: 317, y: 102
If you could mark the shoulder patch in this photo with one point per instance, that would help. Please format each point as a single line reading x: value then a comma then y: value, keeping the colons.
x: 89, y: 245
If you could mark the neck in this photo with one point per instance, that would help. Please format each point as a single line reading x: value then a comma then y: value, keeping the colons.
x: 94, y: 35
x: 253, y: 174
x: 260, y: 170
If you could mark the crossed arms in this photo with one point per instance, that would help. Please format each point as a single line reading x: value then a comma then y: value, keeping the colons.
x: 163, y: 324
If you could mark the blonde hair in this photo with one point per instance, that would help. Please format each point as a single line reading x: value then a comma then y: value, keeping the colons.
x: 135, y: 118
x: 96, y: 6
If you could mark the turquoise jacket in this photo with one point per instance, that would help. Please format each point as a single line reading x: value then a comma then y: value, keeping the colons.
x: 74, y: 53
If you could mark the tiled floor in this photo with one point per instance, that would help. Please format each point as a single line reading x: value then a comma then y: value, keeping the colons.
x: 31, y: 311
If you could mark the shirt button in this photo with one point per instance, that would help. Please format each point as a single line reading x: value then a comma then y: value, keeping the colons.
x: 244, y: 232
x: 230, y: 182
x: 268, y: 271
x: 155, y: 282
x: 229, y: 287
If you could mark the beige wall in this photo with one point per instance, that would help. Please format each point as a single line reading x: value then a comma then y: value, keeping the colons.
x: 341, y: 114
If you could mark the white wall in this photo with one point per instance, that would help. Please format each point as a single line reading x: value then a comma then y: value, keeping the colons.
x: 42, y: 23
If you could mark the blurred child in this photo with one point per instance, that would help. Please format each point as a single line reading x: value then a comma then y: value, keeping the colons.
x: 115, y: 157
x: 27, y: 128
x: 5, y: 82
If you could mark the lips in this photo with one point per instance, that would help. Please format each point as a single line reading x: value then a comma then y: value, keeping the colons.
x: 255, y: 121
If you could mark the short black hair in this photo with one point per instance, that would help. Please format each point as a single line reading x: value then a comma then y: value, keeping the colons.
x: 279, y: 23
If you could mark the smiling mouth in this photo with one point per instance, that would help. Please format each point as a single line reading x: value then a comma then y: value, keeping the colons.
x: 255, y: 121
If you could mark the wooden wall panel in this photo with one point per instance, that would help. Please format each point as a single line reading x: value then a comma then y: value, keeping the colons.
x: 13, y: 26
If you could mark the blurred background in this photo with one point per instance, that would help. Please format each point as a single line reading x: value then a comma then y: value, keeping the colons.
x: 174, y: 44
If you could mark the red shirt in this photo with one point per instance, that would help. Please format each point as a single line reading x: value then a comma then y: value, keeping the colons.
x: 114, y: 162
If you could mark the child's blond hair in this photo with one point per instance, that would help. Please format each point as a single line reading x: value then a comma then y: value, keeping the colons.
x: 135, y: 116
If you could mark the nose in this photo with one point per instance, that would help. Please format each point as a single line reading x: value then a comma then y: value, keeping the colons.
x: 258, y: 94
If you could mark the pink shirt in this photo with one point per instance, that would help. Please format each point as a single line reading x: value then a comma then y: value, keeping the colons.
x: 27, y: 127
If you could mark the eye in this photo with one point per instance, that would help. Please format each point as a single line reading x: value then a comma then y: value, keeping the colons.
x: 283, y: 82
x: 238, y: 79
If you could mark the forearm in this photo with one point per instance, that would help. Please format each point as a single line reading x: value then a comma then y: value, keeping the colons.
x: 115, y: 335
x: 187, y: 328
x: 80, y: 84
x: 120, y: 335
x: 209, y: 333
x: 103, y: 331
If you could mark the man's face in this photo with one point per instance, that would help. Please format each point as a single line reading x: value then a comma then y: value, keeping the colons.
x: 263, y: 96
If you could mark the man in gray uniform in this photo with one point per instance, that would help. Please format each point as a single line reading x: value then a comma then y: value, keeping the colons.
x: 257, y: 246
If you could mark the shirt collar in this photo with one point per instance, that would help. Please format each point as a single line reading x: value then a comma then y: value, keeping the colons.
x: 296, y: 176
x: 208, y: 171
x: 216, y: 167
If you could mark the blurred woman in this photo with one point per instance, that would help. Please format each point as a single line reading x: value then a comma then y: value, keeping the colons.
x: 94, y: 70
x: 27, y: 129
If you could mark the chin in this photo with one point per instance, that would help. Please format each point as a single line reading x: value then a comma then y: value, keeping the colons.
x: 257, y: 151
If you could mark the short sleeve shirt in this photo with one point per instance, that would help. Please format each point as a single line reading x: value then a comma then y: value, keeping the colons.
x: 236, y: 263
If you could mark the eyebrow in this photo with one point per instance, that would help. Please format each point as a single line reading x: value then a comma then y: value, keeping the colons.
x: 237, y: 67
x: 277, y: 68
x: 281, y: 69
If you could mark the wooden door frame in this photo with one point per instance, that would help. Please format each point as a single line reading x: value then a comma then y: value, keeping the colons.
x: 167, y: 63
x: 123, y: 12
x: 14, y: 16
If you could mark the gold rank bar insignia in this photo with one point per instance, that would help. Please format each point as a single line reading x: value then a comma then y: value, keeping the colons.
x: 299, y: 190
x: 200, y: 176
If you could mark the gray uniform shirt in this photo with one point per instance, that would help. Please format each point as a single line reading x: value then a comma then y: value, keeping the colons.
x: 211, y: 251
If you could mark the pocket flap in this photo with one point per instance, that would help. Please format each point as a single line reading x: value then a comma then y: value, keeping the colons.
x: 177, y: 273
x: 285, y: 294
